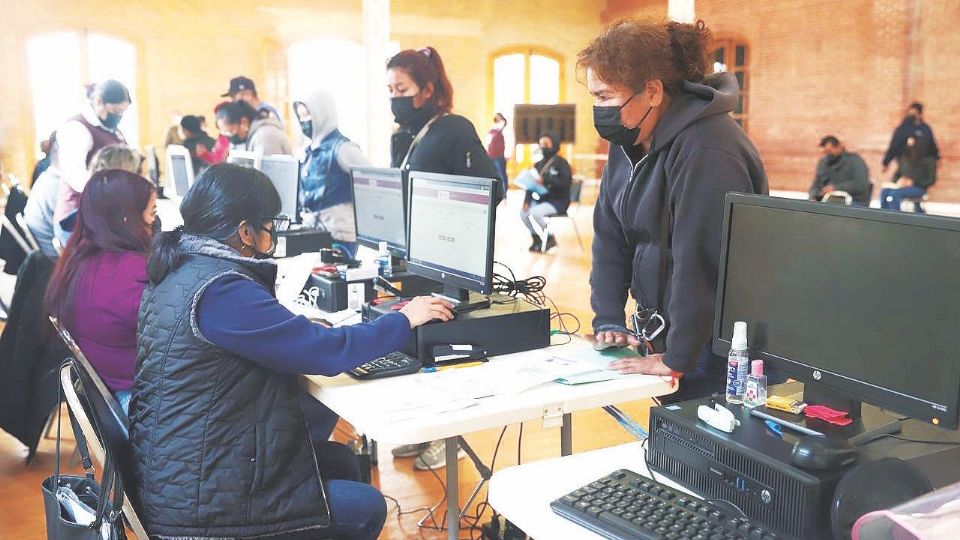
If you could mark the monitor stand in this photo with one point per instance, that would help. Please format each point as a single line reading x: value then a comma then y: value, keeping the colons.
x: 870, y: 428
x: 462, y: 299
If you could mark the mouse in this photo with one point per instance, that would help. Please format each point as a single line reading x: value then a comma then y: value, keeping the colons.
x: 823, y: 453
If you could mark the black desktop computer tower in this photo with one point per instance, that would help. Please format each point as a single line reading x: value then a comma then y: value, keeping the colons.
x: 509, y: 325
x: 751, y: 467
x: 296, y: 241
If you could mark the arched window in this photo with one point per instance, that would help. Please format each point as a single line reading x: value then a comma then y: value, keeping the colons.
x: 525, y: 76
x: 61, y: 63
x: 733, y: 55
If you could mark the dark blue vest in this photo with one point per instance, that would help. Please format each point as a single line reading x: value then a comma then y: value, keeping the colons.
x: 323, y: 183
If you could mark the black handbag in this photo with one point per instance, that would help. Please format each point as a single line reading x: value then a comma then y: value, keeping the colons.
x: 77, y: 507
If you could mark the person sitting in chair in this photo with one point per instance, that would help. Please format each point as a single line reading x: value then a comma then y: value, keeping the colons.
x: 915, y: 174
x: 840, y: 170
x: 555, y: 175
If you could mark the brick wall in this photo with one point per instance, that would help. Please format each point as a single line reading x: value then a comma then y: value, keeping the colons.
x: 821, y: 67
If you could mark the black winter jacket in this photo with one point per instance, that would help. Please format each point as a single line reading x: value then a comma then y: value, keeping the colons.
x: 220, y: 447
x: 698, y: 154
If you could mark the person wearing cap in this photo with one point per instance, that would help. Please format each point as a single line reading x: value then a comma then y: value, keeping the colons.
x: 251, y: 131
x: 243, y: 89
x: 839, y: 170
x: 325, y: 174
x: 196, y: 140
x: 554, y: 174
x: 80, y: 138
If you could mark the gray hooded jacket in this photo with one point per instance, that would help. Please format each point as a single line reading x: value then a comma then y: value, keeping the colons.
x: 267, y: 137
x: 698, y: 154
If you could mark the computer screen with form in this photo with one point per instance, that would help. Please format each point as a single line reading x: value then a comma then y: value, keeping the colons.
x: 378, y: 205
x: 451, y: 226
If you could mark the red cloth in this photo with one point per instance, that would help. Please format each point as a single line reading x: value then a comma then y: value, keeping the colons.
x: 217, y: 154
x: 497, y: 145
x: 827, y: 414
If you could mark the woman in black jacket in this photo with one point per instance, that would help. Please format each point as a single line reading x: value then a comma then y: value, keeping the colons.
x: 675, y: 152
x: 555, y: 177
x: 431, y: 139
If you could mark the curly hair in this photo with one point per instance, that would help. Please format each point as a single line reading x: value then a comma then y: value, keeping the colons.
x: 631, y: 52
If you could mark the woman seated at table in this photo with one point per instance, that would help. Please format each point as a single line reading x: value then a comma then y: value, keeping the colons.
x: 219, y: 436
x: 96, y: 286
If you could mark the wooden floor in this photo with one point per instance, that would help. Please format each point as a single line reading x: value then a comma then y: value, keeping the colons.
x: 566, y: 270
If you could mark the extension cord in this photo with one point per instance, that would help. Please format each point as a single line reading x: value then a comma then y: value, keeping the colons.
x: 500, y: 529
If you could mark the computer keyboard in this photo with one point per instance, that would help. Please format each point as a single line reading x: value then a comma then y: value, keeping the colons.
x: 626, y: 505
x: 391, y: 365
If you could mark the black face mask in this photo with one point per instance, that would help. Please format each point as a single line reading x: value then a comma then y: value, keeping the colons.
x: 547, y: 151
x: 403, y: 109
x: 273, y: 245
x: 609, y: 125
x: 112, y: 120
x: 156, y: 226
x: 306, y: 126
x: 236, y: 139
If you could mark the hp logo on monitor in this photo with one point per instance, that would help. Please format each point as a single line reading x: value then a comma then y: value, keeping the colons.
x: 443, y: 275
x: 817, y: 375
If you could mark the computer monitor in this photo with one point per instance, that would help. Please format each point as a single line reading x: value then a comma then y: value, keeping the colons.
x: 451, y: 231
x: 284, y: 172
x: 180, y: 168
x: 246, y: 158
x: 861, y: 303
x: 379, y: 208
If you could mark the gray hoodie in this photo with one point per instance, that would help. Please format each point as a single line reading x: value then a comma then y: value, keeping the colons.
x: 698, y: 154
x: 323, y: 116
x: 266, y: 137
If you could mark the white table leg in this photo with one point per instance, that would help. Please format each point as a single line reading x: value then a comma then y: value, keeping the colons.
x: 453, y: 490
x: 566, y: 435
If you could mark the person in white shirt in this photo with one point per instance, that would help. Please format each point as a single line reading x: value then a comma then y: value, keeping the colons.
x: 79, y: 139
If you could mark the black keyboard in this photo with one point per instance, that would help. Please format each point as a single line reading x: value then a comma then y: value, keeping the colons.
x: 626, y: 505
x: 391, y: 365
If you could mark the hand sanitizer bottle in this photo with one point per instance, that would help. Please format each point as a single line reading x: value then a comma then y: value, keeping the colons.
x: 737, y: 363
x: 755, y: 392
x: 383, y: 261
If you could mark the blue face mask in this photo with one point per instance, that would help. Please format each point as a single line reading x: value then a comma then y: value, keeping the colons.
x: 112, y: 120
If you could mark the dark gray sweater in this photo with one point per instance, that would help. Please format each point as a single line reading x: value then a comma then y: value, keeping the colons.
x: 847, y: 173
x: 698, y: 154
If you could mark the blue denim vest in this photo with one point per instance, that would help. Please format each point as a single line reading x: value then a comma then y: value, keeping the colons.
x: 322, y: 182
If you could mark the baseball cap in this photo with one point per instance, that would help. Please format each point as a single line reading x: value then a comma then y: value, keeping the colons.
x: 239, y: 83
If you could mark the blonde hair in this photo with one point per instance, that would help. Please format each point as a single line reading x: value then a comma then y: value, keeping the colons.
x: 116, y: 156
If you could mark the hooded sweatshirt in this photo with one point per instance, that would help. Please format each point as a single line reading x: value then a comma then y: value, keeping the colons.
x: 266, y: 137
x: 557, y: 178
x: 326, y: 182
x: 697, y: 154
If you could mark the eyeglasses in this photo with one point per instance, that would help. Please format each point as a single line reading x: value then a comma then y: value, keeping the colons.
x: 280, y: 223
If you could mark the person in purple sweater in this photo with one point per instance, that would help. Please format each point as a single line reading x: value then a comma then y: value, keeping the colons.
x: 96, y: 286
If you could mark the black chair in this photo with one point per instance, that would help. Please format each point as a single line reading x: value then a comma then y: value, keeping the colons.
x: 101, y: 418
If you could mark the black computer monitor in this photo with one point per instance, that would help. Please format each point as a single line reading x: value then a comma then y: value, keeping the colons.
x: 860, y: 302
x: 451, y: 231
x: 379, y: 203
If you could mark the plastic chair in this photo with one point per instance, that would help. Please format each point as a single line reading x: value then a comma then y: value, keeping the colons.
x: 576, y: 189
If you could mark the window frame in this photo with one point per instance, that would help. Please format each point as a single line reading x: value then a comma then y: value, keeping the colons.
x: 729, y: 44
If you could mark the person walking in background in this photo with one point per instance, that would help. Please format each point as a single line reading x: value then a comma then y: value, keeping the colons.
x: 45, y: 161
x: 913, y: 125
x: 496, y: 149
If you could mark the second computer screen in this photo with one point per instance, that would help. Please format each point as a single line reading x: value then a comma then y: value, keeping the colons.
x: 449, y: 226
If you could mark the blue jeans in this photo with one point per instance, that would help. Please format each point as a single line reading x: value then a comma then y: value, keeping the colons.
x: 538, y: 212
x: 357, y: 510
x: 890, y: 199
x: 501, y: 165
